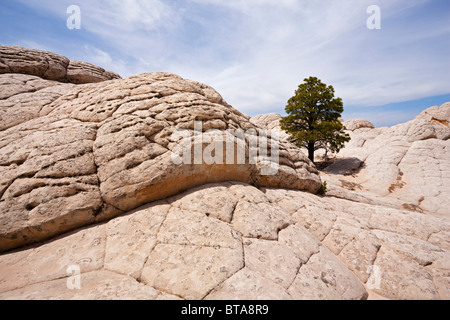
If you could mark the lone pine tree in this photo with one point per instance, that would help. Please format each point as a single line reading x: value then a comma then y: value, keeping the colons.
x: 313, y: 118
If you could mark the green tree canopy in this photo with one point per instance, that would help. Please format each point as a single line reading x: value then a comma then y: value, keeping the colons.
x: 313, y: 118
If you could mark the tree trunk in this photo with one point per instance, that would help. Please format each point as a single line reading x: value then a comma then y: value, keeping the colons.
x: 311, y: 151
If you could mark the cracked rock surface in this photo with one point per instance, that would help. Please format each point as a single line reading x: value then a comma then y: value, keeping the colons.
x: 90, y: 152
x: 404, y: 167
x: 50, y: 66
x: 326, y: 249
x: 90, y: 194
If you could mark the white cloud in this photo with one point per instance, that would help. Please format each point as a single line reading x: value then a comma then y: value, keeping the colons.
x: 98, y: 56
x: 101, y: 15
x: 32, y: 44
x: 296, y: 39
x: 383, y: 118
x: 255, y: 53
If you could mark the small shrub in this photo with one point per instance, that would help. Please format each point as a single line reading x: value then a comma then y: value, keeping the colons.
x: 323, y: 189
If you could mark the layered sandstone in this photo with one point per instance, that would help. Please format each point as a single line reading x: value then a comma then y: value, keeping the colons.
x: 235, y: 241
x: 405, y: 166
x: 93, y: 164
x: 90, y: 152
x: 50, y: 66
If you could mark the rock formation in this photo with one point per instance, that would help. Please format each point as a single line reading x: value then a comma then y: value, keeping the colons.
x: 270, y: 121
x: 235, y: 241
x: 87, y: 174
x: 94, y: 151
x: 403, y: 167
x: 406, y: 164
x: 50, y: 66
x: 352, y: 125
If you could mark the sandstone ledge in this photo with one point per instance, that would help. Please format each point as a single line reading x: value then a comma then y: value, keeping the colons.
x: 50, y: 66
x: 202, y: 245
x: 98, y: 150
x: 405, y: 166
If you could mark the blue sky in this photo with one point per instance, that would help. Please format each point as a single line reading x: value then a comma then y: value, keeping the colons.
x: 256, y: 52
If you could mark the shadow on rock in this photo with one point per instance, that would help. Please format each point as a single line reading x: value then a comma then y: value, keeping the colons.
x: 345, y: 167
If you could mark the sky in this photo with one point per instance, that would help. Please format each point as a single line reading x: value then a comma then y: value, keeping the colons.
x: 255, y: 53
